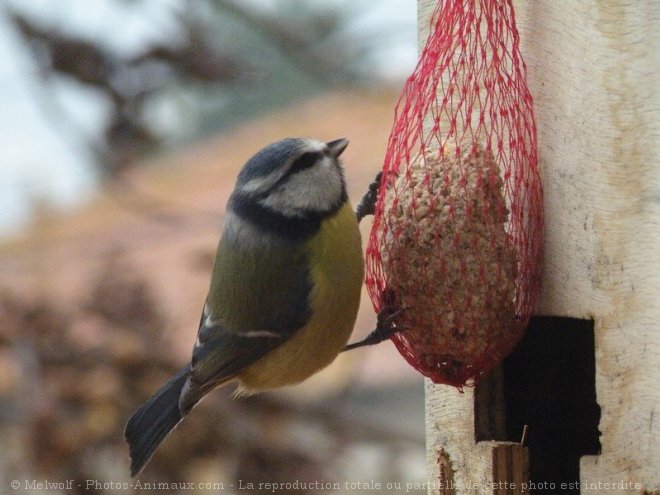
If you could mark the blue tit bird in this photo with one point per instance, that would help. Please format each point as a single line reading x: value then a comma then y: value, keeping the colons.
x: 285, y: 286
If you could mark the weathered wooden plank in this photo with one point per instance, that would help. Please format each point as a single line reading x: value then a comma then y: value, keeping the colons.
x: 594, y: 71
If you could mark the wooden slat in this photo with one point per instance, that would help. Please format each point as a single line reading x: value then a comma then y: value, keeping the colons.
x: 593, y: 70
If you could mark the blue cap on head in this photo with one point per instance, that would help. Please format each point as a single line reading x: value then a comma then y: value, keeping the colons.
x: 269, y: 158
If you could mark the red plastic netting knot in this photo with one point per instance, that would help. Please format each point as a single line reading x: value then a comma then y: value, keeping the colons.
x: 456, y: 242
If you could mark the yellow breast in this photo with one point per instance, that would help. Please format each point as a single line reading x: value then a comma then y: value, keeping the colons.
x: 337, y: 270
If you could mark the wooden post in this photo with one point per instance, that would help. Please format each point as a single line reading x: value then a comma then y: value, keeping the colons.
x: 594, y: 73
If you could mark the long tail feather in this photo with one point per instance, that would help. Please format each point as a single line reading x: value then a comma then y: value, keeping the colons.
x: 151, y: 423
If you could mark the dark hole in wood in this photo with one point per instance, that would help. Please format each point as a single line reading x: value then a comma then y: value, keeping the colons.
x: 548, y: 384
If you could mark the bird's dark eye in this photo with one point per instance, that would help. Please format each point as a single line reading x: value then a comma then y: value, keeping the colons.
x: 306, y: 160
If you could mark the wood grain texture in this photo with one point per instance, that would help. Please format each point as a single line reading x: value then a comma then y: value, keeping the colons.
x: 510, y: 469
x: 450, y: 433
x: 594, y: 71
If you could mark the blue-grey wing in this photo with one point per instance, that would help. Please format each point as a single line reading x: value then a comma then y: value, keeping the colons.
x: 262, y: 300
x: 221, y: 354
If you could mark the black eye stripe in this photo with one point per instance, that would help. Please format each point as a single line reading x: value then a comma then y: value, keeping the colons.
x: 306, y: 160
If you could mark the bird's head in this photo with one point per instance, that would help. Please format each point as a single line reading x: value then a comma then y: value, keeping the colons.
x: 295, y: 178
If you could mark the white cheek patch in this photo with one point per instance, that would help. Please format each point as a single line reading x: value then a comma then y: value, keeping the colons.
x: 264, y: 183
x: 318, y: 188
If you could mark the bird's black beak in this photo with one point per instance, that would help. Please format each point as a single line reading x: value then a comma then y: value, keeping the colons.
x: 337, y: 147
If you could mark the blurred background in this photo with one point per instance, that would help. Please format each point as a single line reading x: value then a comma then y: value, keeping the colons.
x: 123, y: 124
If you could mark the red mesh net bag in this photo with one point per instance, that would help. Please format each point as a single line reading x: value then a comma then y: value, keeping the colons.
x: 456, y: 242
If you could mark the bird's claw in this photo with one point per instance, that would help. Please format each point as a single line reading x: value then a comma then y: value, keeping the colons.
x: 367, y: 204
x: 385, y: 327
